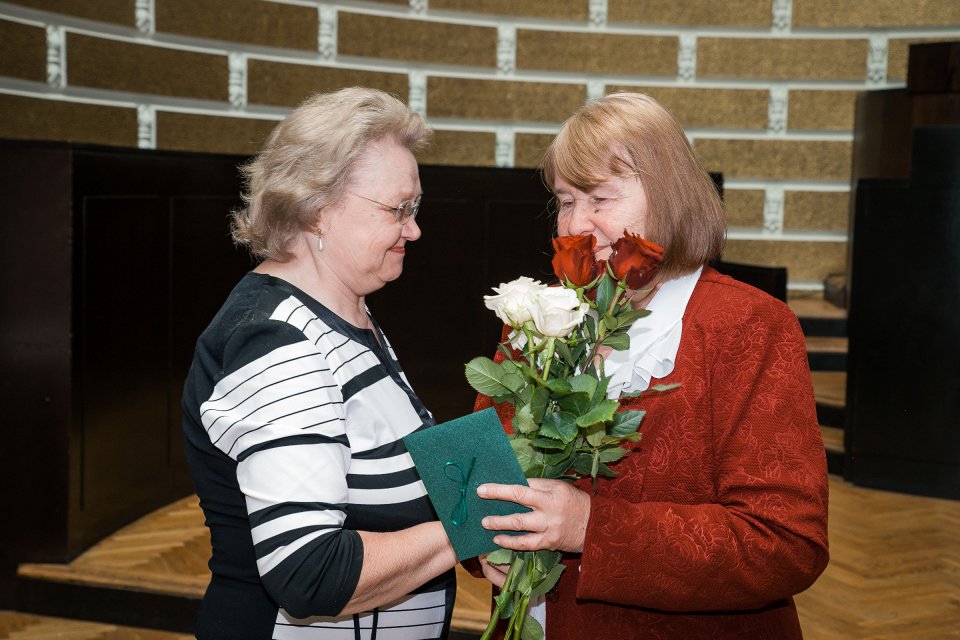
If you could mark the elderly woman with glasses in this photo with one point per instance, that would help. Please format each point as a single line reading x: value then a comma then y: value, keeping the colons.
x: 295, y: 404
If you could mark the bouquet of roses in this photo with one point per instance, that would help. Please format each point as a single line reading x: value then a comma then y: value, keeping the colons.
x: 564, y: 426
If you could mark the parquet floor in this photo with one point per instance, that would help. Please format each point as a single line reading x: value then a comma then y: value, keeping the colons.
x: 894, y: 571
x: 23, y: 626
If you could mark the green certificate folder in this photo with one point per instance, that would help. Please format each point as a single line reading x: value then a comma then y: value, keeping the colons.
x: 453, y: 459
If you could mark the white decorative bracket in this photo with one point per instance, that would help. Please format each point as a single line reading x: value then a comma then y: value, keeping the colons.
x: 145, y: 12
x: 506, y: 49
x: 777, y: 110
x: 598, y: 13
x: 327, y: 33
x: 146, y: 127
x: 782, y: 15
x: 595, y: 89
x: 877, y: 60
x: 56, y: 57
x: 417, y: 96
x: 418, y: 6
x: 238, y: 80
x: 687, y: 57
x: 773, y: 210
x: 505, y: 147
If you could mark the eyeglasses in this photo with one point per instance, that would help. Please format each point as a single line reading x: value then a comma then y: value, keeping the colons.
x: 406, y: 210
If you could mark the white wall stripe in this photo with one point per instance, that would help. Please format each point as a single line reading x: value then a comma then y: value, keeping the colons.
x: 145, y: 16
x: 56, y: 57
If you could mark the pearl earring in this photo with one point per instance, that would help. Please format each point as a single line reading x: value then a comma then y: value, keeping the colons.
x: 319, y: 242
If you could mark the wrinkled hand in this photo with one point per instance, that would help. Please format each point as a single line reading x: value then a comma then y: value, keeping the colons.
x: 495, y: 573
x: 558, y: 520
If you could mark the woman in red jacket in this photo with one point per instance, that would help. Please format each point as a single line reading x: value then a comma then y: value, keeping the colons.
x: 719, y: 515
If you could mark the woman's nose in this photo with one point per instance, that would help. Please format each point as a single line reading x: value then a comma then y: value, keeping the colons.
x: 411, y: 230
x: 579, y: 220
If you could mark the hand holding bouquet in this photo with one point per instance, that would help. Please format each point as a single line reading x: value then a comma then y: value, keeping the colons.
x: 564, y: 426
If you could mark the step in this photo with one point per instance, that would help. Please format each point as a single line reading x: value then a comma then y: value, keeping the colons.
x: 25, y: 626
x: 829, y: 390
x: 819, y: 317
x: 153, y: 573
x: 827, y: 353
x: 833, y: 445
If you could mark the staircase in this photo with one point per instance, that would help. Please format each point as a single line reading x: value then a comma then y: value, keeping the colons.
x: 825, y: 328
x: 146, y: 580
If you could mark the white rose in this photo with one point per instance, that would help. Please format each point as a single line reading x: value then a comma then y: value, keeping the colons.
x: 558, y: 311
x: 515, y: 300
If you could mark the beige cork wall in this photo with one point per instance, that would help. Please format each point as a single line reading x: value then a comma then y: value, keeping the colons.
x: 764, y: 88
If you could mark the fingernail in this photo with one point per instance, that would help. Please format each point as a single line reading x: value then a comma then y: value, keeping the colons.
x: 485, y: 522
x: 482, y: 490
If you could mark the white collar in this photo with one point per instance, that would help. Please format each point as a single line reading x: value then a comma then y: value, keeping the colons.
x: 654, y: 340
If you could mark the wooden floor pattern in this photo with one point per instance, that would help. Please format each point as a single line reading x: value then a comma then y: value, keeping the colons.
x: 23, y: 626
x: 894, y: 569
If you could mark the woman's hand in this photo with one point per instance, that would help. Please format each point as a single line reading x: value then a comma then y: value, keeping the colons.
x: 558, y: 520
x: 495, y: 573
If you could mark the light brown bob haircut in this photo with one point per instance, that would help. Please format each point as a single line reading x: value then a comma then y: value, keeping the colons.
x: 308, y: 161
x: 632, y: 135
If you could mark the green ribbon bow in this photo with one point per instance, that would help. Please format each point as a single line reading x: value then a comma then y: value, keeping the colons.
x: 459, y: 514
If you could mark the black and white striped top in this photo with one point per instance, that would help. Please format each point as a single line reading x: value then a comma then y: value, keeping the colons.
x: 293, y: 421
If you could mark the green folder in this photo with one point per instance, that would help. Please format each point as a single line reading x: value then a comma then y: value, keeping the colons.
x: 453, y: 459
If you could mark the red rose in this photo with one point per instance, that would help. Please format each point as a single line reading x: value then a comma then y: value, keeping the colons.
x: 573, y: 259
x: 635, y: 260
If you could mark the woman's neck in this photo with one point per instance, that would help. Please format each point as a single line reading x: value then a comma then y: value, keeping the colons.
x: 322, y: 286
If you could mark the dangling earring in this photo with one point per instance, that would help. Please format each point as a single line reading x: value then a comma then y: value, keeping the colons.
x: 319, y: 242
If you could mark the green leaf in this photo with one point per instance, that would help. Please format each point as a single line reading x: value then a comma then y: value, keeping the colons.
x: 559, y: 425
x: 618, y: 342
x: 601, y: 391
x: 501, y: 556
x: 523, y: 421
x: 605, y: 471
x: 605, y: 292
x: 559, y: 386
x: 584, y: 383
x: 612, y: 454
x: 549, y: 581
x: 591, y: 326
x: 600, y: 412
x: 524, y: 583
x: 549, y: 444
x: 545, y: 559
x: 655, y: 389
x: 525, y: 454
x: 583, y: 463
x: 596, y: 434
x: 576, y: 403
x: 538, y: 403
x: 485, y: 376
x: 564, y: 352
x: 626, y: 422
x: 531, y: 629
x: 627, y: 318
x: 514, y: 382
x: 560, y: 459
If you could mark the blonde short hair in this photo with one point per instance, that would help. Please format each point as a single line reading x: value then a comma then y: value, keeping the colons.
x: 308, y: 160
x: 631, y: 134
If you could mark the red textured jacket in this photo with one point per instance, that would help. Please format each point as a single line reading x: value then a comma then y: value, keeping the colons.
x: 719, y: 515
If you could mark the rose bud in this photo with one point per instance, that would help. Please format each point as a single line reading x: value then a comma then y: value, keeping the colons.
x: 635, y: 260
x: 573, y: 259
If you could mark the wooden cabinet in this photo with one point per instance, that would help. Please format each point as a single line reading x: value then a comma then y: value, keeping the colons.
x: 112, y: 262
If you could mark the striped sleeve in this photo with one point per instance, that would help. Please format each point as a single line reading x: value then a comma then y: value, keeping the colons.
x: 278, y: 412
